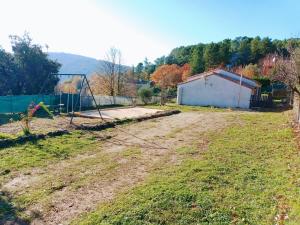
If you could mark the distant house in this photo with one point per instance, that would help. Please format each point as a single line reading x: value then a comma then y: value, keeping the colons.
x: 218, y: 88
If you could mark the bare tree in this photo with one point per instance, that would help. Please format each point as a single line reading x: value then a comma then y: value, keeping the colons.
x: 110, y: 68
x: 120, y: 77
x: 114, y: 80
x: 287, y: 70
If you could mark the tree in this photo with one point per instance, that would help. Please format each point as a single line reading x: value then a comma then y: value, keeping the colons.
x: 244, y: 51
x: 267, y: 46
x: 251, y: 70
x: 256, y: 49
x: 71, y: 86
x: 267, y: 64
x: 197, y: 62
x: 34, y: 68
x: 160, y: 61
x: 139, y: 70
x: 130, y: 87
x: 167, y: 76
x: 186, y: 71
x: 287, y: 70
x: 211, y: 56
x: 111, y: 78
x: 145, y: 94
x: 149, y: 68
x: 8, y: 74
x: 224, y: 52
x: 181, y: 55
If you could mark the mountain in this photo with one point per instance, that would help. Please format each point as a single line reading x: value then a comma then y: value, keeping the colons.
x: 72, y: 63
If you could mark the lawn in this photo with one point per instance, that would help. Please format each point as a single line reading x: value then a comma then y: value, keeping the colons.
x: 37, y: 155
x: 249, y: 174
x: 245, y: 172
x: 187, y: 108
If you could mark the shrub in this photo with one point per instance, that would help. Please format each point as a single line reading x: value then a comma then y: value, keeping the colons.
x: 145, y: 95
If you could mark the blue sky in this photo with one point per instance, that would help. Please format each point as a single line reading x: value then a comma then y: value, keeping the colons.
x: 193, y: 21
x: 144, y: 28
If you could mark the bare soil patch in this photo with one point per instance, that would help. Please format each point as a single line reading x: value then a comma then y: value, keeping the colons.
x: 45, y: 125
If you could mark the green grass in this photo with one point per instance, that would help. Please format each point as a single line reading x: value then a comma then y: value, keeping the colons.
x: 6, y: 136
x: 131, y: 152
x: 248, y: 175
x: 186, y: 108
x: 43, y: 152
x: 22, y: 158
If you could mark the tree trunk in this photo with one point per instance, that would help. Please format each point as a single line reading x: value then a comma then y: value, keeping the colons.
x: 296, y: 106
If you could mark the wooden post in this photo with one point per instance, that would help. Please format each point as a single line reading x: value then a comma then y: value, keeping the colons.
x: 296, y: 107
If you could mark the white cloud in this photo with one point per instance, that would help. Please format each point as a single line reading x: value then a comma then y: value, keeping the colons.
x: 80, y: 27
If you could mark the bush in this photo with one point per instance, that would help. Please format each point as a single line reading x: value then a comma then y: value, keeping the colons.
x: 145, y: 94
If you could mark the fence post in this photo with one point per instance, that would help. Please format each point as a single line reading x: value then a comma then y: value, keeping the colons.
x: 296, y: 108
x: 11, y: 105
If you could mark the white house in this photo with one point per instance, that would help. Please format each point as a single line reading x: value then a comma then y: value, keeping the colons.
x: 218, y: 88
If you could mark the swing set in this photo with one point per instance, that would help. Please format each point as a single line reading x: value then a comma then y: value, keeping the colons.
x: 84, y: 84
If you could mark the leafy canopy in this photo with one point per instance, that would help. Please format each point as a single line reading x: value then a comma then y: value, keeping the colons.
x: 27, y: 70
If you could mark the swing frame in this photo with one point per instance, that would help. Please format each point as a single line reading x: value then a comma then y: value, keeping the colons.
x: 84, y: 80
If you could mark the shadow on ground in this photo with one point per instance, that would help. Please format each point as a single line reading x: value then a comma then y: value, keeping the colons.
x: 8, y: 212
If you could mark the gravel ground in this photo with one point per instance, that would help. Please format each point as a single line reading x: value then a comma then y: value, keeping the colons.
x: 44, y: 125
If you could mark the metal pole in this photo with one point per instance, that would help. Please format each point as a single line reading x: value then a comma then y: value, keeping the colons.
x: 68, y: 103
x: 239, y: 97
x: 72, y: 102
x: 60, y: 93
x: 77, y: 101
x: 93, y: 97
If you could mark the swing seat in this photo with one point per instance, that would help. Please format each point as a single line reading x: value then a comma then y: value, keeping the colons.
x: 56, y: 108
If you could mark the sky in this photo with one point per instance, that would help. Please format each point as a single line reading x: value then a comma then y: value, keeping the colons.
x: 143, y: 28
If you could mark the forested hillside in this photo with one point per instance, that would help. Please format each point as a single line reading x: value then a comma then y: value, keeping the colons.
x: 233, y: 54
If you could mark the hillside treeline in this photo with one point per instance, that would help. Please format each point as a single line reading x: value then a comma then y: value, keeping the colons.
x: 229, y: 53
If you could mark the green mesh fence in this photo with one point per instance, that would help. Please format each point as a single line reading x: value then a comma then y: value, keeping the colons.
x: 20, y: 103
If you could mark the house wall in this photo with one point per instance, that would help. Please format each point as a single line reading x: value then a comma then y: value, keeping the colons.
x: 214, y: 91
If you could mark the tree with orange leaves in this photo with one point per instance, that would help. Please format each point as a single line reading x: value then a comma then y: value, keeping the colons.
x: 186, y: 71
x: 167, y: 76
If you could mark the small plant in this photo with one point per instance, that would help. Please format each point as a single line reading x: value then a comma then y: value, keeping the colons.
x: 145, y: 95
x: 25, y: 123
x: 27, y: 118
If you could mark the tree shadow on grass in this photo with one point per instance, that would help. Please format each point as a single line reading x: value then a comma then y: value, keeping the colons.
x: 8, y: 212
x: 271, y: 109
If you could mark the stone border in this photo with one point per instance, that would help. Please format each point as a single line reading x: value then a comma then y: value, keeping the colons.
x: 5, y: 143
x: 111, y: 124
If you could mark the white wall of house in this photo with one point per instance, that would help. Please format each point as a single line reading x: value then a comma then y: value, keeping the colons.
x: 213, y: 90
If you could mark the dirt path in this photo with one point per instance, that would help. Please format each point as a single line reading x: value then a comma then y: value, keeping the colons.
x: 79, y: 184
